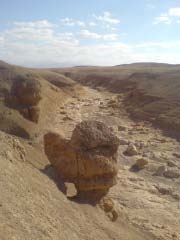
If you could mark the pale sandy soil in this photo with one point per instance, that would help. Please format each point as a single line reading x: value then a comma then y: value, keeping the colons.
x: 33, y: 207
x: 151, y: 203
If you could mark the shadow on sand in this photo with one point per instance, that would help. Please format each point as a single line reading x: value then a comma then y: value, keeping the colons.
x: 91, y: 197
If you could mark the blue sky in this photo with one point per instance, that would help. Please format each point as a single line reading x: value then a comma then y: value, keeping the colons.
x: 55, y: 33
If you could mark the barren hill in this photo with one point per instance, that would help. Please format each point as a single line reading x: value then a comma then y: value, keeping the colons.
x: 151, y: 89
x: 140, y: 103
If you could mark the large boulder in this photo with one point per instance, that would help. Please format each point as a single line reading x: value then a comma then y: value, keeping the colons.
x: 24, y: 96
x: 61, y: 155
x: 88, y: 159
x: 27, y: 90
x: 94, y: 134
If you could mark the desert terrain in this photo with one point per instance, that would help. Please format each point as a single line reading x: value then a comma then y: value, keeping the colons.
x: 140, y: 103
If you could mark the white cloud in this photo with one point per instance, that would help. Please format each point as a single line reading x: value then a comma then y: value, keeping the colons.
x: 172, y: 15
x: 163, y: 18
x: 107, y: 18
x: 87, y: 34
x: 162, y: 44
x: 70, y: 22
x: 92, y: 24
x: 37, y: 24
x: 92, y: 35
x: 30, y: 34
x: 47, y: 47
x: 38, y: 36
x: 66, y: 35
x: 67, y: 22
x: 175, y: 12
x: 80, y: 23
x: 69, y: 55
x: 113, y: 28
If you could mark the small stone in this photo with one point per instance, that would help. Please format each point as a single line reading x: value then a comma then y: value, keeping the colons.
x: 131, y: 150
x: 141, y: 163
x: 71, y: 190
x: 67, y: 118
x: 123, y: 141
x: 176, y: 155
x: 107, y: 204
x: 115, y: 215
x: 163, y: 189
x: 122, y: 128
x: 171, y: 164
x: 160, y: 171
x: 62, y: 112
x: 174, y: 173
x: 174, y: 235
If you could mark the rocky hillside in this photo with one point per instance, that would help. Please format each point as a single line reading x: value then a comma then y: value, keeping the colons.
x: 78, y: 130
x: 152, y: 90
x: 29, y: 97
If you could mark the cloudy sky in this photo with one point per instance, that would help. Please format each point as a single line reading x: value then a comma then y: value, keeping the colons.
x: 55, y: 33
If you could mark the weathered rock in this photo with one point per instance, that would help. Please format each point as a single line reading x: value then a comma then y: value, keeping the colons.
x: 131, y: 150
x: 123, y: 141
x: 172, y: 173
x: 24, y: 96
x: 27, y: 91
x: 71, y: 190
x: 88, y: 159
x: 141, y: 163
x: 115, y: 214
x: 160, y: 171
x: 163, y: 189
x: 108, y: 205
x: 171, y: 164
x: 61, y: 155
x: 176, y: 155
x: 93, y: 134
x: 113, y: 128
x: 63, y: 112
x: 34, y: 113
x: 122, y: 128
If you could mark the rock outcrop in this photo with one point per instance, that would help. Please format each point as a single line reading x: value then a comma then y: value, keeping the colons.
x: 25, y: 95
x: 27, y: 91
x: 88, y: 159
